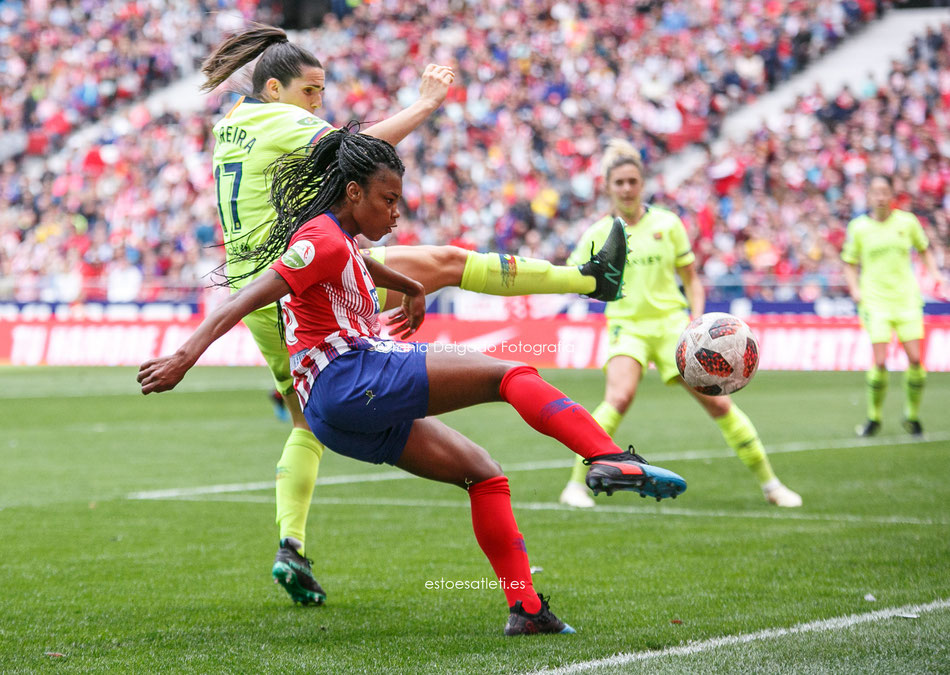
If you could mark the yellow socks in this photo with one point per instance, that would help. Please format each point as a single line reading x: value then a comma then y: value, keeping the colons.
x: 503, y: 274
x: 914, y: 379
x: 877, y: 389
x: 741, y: 436
x: 609, y: 419
x: 296, y: 474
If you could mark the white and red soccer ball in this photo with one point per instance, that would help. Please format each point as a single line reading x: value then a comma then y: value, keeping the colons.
x: 717, y: 354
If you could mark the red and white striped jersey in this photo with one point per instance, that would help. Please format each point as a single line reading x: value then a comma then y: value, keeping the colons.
x: 333, y: 307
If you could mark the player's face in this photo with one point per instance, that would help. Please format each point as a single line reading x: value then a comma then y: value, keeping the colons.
x: 880, y: 196
x: 625, y: 187
x: 305, y: 91
x: 377, y: 208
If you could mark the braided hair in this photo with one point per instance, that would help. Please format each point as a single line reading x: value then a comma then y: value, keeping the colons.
x: 311, y: 180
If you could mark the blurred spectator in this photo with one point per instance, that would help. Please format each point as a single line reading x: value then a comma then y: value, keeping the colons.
x: 509, y: 163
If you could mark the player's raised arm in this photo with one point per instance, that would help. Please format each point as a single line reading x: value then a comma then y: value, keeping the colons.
x: 165, y: 372
x: 432, y: 91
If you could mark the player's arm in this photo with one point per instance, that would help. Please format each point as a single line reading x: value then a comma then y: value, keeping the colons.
x: 930, y: 263
x: 693, y: 288
x: 165, y: 372
x: 851, y: 255
x: 410, y: 316
x: 851, y: 277
x: 432, y: 91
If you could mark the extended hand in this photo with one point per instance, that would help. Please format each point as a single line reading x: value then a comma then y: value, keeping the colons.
x: 410, y: 316
x: 435, y: 83
x: 163, y: 373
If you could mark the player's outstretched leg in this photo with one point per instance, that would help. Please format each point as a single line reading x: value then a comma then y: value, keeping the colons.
x: 547, y: 410
x: 600, y: 278
x: 437, y: 267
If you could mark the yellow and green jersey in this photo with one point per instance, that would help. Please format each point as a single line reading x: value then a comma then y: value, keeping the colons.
x: 247, y: 140
x: 658, y: 245
x: 882, y: 249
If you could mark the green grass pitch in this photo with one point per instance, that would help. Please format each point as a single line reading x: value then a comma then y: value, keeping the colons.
x: 94, y: 580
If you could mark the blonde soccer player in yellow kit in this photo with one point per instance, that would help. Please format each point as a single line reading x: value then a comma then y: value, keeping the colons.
x: 276, y: 117
x: 646, y: 323
x: 881, y: 281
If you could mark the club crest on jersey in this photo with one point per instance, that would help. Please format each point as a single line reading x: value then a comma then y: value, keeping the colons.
x: 299, y: 255
x: 309, y: 122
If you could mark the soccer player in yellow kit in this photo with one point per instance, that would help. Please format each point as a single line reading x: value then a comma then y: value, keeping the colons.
x: 287, y: 86
x: 646, y: 323
x: 881, y: 281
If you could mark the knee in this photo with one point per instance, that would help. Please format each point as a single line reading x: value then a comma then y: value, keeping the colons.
x: 450, y: 259
x: 481, y: 471
x: 717, y: 406
x: 620, y: 397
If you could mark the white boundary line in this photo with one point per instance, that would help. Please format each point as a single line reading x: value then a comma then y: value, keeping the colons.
x: 687, y: 455
x: 606, y: 509
x: 824, y: 625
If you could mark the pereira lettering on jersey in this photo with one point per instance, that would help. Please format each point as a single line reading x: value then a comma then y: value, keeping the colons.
x: 236, y: 136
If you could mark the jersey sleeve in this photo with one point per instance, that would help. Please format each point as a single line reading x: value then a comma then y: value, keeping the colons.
x: 313, y: 256
x: 682, y: 248
x: 851, y: 251
x: 918, y: 238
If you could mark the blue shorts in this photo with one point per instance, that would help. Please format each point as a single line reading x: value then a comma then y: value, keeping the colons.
x: 364, y: 402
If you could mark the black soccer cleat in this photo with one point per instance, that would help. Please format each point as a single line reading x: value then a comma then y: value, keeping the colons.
x: 630, y: 471
x: 544, y: 621
x: 607, y: 265
x: 292, y: 571
x: 913, y: 427
x: 868, y: 429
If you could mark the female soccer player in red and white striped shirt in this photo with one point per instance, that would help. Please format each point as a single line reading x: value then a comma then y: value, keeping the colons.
x: 374, y: 398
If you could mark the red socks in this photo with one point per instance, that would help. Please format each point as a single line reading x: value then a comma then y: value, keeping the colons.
x: 549, y: 411
x: 497, y: 533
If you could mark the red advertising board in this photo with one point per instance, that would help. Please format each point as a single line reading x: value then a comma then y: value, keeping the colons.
x: 785, y: 342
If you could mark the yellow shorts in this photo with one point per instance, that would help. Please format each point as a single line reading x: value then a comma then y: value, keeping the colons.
x: 646, y: 341
x: 264, y: 324
x: 378, y: 253
x: 880, y: 325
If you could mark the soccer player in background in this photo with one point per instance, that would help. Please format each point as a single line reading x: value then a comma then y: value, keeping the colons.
x: 374, y: 399
x: 881, y: 281
x: 645, y: 325
x: 277, y: 116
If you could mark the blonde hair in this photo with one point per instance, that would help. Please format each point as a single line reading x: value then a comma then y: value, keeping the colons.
x: 618, y: 153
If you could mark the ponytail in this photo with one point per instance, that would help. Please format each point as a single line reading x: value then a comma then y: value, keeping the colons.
x: 279, y: 58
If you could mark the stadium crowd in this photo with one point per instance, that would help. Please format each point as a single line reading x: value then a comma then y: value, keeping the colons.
x: 509, y: 163
x: 774, y: 207
x: 65, y: 64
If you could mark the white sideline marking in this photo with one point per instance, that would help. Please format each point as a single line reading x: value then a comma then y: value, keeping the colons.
x: 687, y: 455
x: 820, y: 626
x: 771, y: 513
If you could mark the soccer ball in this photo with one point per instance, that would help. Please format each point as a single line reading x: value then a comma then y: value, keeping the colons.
x: 717, y: 354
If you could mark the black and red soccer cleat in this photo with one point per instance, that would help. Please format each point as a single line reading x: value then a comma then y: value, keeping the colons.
x: 630, y: 471
x: 543, y: 621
